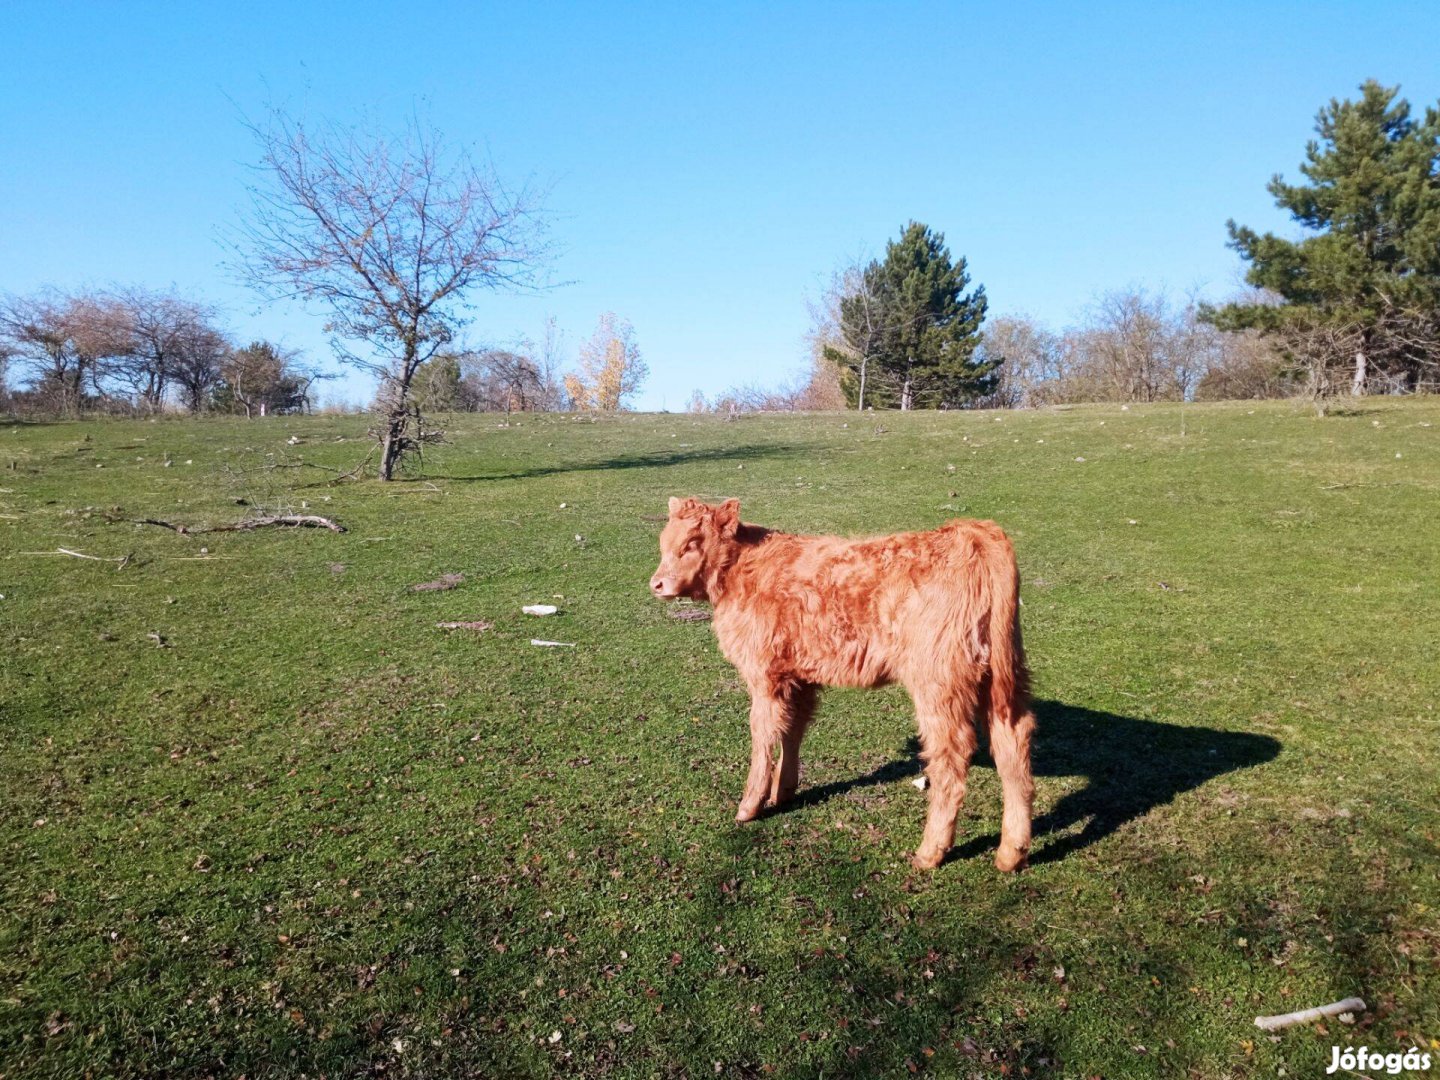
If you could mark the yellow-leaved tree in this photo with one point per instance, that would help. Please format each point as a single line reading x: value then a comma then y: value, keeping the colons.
x: 611, y: 370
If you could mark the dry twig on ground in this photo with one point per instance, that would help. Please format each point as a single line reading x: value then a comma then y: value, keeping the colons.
x: 294, y: 521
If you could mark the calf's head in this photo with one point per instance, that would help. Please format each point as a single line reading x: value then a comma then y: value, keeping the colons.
x: 697, y: 540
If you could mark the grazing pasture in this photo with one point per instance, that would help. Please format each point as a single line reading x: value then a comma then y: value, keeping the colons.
x: 263, y: 817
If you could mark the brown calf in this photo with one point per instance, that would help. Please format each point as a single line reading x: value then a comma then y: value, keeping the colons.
x: 936, y: 611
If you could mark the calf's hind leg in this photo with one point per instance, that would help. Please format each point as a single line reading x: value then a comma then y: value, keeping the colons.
x: 1010, y: 730
x: 946, y: 716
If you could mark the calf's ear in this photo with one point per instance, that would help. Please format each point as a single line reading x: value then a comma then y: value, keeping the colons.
x: 727, y: 517
x: 675, y: 505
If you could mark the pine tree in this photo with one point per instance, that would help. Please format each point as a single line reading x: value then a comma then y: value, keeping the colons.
x: 910, y: 331
x: 1363, y: 289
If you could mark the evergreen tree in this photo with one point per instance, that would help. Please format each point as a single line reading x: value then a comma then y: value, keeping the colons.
x: 259, y: 380
x: 436, y: 386
x: 1362, y: 291
x: 910, y: 330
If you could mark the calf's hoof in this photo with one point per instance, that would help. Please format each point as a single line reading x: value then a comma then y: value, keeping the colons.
x: 781, y: 797
x: 927, y: 860
x: 747, y: 813
x: 1009, y: 859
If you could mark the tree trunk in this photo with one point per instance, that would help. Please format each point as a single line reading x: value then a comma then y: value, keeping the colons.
x: 392, y: 439
x: 390, y: 443
x: 1357, y: 385
x: 864, y: 362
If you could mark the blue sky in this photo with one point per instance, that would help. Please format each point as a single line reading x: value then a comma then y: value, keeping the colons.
x: 707, y: 166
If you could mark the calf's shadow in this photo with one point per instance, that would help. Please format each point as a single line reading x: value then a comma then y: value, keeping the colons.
x: 1130, y: 766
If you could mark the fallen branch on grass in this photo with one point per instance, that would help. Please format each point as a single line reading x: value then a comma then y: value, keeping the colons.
x: 338, y: 474
x: 1304, y: 1016
x: 293, y: 521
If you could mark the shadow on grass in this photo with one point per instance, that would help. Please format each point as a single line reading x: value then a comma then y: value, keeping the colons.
x: 741, y: 454
x: 1131, y: 766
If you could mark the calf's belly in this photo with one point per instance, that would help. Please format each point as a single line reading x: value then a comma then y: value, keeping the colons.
x: 834, y: 661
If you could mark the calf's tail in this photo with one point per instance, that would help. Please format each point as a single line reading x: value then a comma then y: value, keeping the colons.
x: 1009, y: 676
x: 1011, y: 721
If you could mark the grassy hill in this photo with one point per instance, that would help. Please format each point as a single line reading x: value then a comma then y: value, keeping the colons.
x: 262, y: 817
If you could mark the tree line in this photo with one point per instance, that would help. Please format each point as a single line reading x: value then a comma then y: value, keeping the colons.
x: 535, y: 377
x: 1353, y: 306
x: 136, y: 350
x: 133, y: 351
x: 392, y: 237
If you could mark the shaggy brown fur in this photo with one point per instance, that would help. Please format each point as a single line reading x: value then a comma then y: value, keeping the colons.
x: 936, y: 611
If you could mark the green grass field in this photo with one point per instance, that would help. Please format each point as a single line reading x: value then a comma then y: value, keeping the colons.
x: 307, y: 832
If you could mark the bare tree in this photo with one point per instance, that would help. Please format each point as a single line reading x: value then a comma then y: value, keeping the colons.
x: 502, y: 380
x: 1124, y: 348
x: 815, y: 390
x: 1135, y: 346
x: 525, y: 377
x: 1248, y: 365
x: 389, y: 236
x: 846, y: 329
x: 37, y: 335
x: 196, y: 367
x: 1323, y: 350
x: 1032, y: 361
x: 166, y: 332
x: 548, y: 356
x: 66, y: 345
